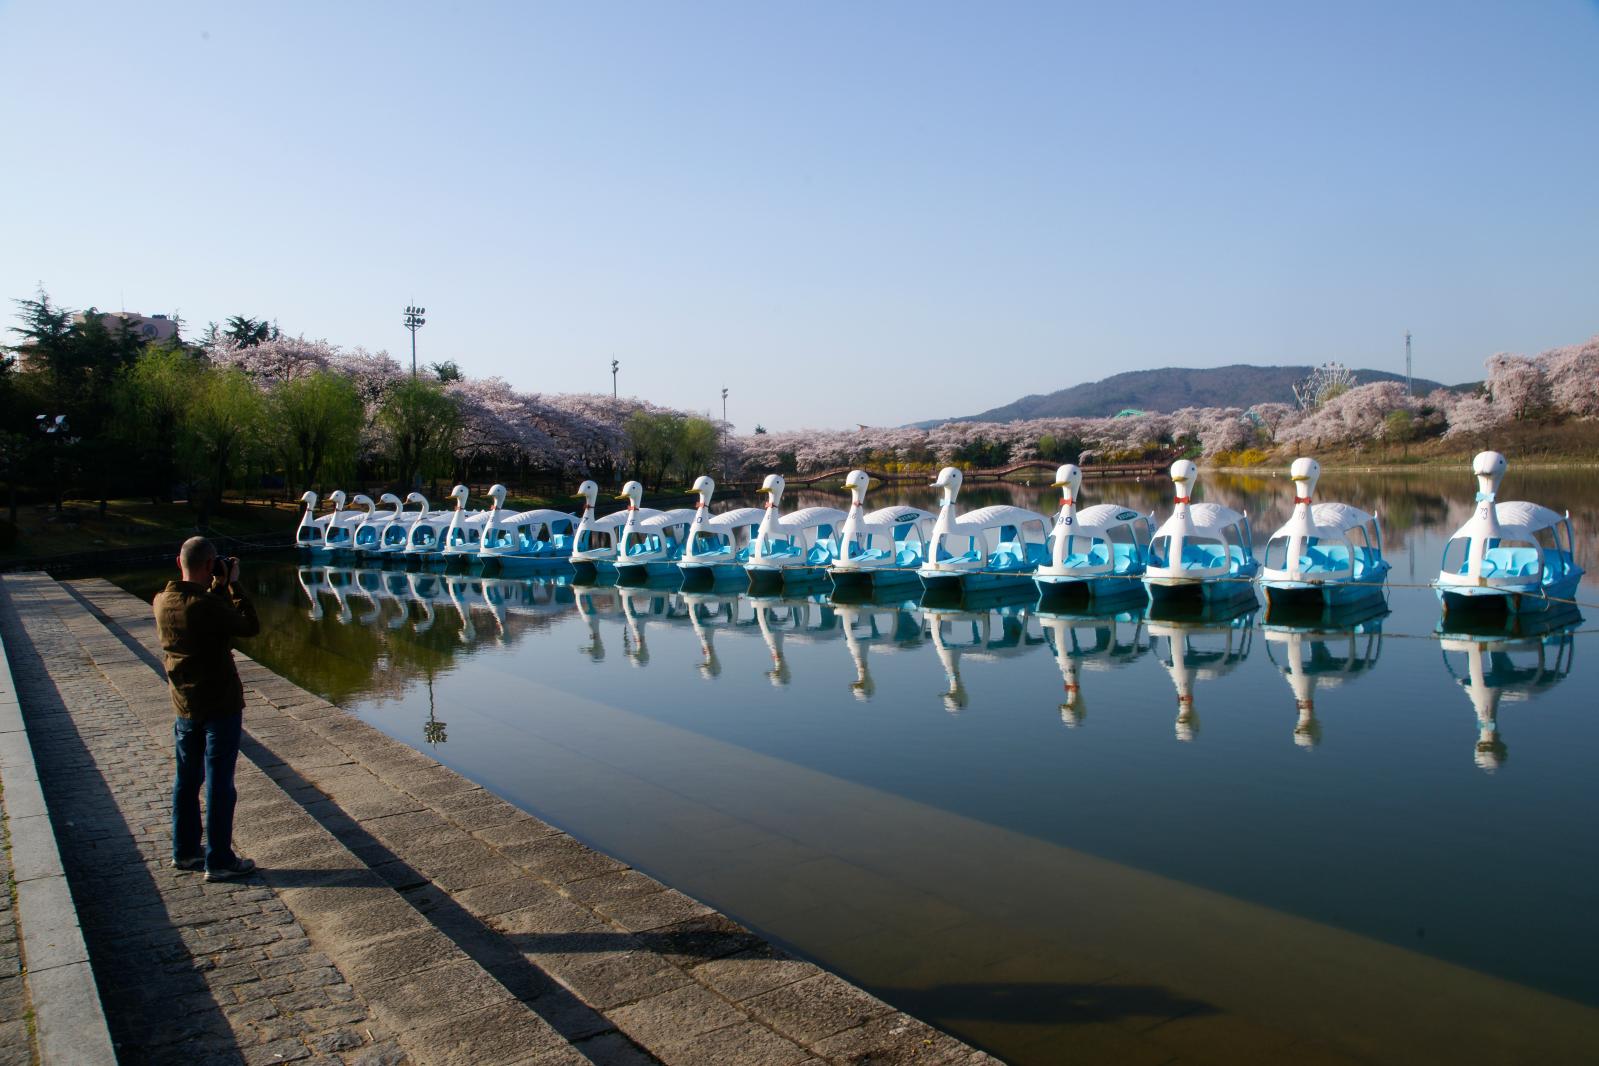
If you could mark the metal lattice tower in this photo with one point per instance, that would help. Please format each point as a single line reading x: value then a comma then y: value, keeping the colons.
x: 1410, y: 389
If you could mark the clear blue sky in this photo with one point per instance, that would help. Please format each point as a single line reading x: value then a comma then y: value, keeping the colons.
x: 843, y: 212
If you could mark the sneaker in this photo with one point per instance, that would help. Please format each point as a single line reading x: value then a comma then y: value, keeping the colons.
x: 195, y: 863
x: 239, y: 868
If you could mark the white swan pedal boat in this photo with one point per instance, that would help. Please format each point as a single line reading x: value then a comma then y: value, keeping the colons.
x: 1326, y: 552
x: 990, y: 548
x: 880, y: 549
x: 1513, y: 557
x: 538, y: 538
x: 1100, y: 551
x: 792, y: 549
x: 717, y: 545
x: 1202, y: 550
x: 594, y: 543
x: 651, y: 542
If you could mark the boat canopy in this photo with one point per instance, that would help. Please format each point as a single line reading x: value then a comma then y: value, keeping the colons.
x: 811, y: 517
x: 738, y: 516
x: 681, y: 516
x: 1212, y: 517
x: 1103, y: 517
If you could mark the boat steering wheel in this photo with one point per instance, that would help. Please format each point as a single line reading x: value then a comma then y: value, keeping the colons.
x: 1486, y: 563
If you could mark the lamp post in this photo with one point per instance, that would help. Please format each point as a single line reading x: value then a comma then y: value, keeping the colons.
x: 54, y: 427
x: 724, y: 432
x: 614, y: 365
x: 413, y: 322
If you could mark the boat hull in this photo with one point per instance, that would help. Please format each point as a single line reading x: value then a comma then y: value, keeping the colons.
x: 869, y: 579
x: 1098, y: 586
x: 724, y: 575
x: 1327, y: 594
x: 974, y: 580
x: 1206, y: 592
x: 771, y: 578
x: 527, y: 564
x: 1507, y: 599
x: 639, y: 573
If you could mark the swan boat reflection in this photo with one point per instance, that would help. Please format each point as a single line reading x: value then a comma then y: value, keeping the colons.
x: 1317, y: 655
x: 1517, y: 664
x: 415, y: 597
x: 1103, y: 639
x: 1000, y: 631
x: 1209, y: 645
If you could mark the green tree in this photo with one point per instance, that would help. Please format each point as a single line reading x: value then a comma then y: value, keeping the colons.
x: 248, y: 332
x: 421, y: 424
x: 446, y: 371
x: 1399, y: 427
x: 221, y: 430
x: 664, y: 443
x: 46, y: 333
x: 317, y: 423
x: 151, y: 399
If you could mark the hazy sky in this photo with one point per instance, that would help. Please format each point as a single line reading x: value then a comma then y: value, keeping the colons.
x: 852, y: 212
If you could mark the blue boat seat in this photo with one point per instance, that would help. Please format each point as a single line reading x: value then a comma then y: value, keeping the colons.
x: 1513, y: 562
x: 908, y: 556
x: 820, y: 554
x: 1202, y: 556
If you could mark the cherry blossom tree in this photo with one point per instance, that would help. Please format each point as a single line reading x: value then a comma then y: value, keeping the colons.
x: 1516, y: 385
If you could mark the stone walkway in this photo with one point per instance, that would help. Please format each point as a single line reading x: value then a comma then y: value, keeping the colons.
x: 401, y: 912
x: 16, y: 1038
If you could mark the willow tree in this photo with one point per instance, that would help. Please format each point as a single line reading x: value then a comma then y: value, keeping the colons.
x: 420, y: 425
x: 152, y: 399
x: 221, y: 430
x: 316, y: 425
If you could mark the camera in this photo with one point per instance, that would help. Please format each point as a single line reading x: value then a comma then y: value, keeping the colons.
x: 222, y: 567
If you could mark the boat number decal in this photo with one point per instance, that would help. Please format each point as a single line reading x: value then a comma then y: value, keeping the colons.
x: 906, y: 518
x: 1127, y: 516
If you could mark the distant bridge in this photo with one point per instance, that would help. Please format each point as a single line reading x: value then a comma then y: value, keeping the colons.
x: 1144, y: 468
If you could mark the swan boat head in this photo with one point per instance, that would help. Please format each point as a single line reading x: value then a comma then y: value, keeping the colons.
x: 773, y: 486
x: 1304, y: 473
x: 632, y: 492
x: 704, y: 487
x: 949, y: 483
x: 857, y: 482
x: 1068, y: 478
x: 588, y: 492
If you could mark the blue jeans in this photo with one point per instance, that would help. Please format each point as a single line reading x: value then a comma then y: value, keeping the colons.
x: 207, y: 751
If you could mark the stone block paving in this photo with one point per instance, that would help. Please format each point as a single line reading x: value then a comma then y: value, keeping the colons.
x: 16, y: 1038
x: 625, y: 968
x: 186, y: 971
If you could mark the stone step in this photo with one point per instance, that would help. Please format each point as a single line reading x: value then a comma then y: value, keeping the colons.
x: 439, y: 1003
x: 611, y: 959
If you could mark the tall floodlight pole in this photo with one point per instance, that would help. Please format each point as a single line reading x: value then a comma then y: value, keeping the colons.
x: 413, y: 322
x: 724, y: 432
x: 1410, y: 389
x: 614, y: 365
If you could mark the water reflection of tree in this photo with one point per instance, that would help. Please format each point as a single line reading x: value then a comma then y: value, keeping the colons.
x: 346, y: 661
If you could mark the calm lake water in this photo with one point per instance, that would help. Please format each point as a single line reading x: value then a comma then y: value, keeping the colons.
x: 1374, y: 840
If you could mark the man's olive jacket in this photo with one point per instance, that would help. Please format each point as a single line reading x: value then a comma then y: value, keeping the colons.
x: 197, y: 626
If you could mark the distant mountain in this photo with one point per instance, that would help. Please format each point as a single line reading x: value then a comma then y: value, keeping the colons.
x: 1168, y: 390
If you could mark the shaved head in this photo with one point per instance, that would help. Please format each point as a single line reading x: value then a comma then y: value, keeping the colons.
x: 196, y: 554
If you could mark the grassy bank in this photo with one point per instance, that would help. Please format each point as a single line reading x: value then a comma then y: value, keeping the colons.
x: 41, y: 531
x: 1567, y: 444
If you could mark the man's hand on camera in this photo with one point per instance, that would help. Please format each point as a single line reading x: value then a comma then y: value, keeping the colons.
x: 233, y: 570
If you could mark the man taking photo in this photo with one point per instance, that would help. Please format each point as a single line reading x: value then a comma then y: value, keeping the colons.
x: 198, y: 617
